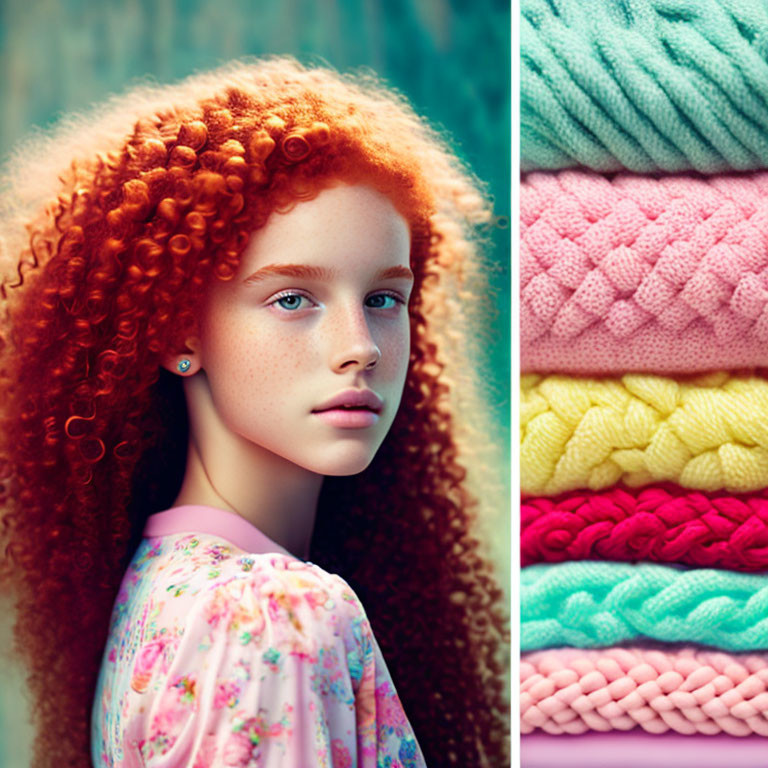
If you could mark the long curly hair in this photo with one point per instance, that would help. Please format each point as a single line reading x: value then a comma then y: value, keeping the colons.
x: 105, y: 262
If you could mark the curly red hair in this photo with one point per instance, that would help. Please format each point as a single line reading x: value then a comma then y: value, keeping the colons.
x: 106, y: 281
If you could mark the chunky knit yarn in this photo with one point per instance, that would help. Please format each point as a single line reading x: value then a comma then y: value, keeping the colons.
x: 588, y: 604
x: 634, y: 273
x: 686, y: 690
x: 658, y: 523
x: 707, y: 433
x: 646, y: 85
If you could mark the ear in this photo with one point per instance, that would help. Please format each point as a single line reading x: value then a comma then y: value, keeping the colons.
x: 186, y: 362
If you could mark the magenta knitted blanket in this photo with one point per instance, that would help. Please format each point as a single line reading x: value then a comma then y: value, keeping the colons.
x: 662, y: 523
x: 634, y: 273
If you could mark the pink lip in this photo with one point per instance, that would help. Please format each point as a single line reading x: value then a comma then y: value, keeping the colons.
x: 351, y: 409
x: 348, y: 419
x: 353, y: 398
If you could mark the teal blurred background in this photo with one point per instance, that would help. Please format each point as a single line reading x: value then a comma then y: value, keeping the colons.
x: 451, y: 58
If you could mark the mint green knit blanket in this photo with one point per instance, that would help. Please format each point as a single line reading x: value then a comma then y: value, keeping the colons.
x: 586, y: 604
x: 646, y: 85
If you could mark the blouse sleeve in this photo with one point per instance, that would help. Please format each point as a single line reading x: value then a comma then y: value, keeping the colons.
x: 275, y: 667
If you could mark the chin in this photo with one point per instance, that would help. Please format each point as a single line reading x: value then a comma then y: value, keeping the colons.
x: 345, y: 471
x: 344, y: 464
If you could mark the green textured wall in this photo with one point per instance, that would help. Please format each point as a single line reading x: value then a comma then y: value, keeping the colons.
x: 450, y: 57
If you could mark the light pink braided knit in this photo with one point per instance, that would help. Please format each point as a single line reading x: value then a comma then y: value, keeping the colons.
x: 687, y: 690
x: 634, y: 273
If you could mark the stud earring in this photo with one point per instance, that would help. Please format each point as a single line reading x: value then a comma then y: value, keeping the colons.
x: 184, y: 365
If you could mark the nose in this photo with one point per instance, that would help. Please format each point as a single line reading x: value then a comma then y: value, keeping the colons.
x: 353, y: 346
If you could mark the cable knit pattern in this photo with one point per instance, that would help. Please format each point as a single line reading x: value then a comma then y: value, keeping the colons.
x: 640, y: 274
x: 569, y: 690
x: 588, y: 604
x: 707, y: 433
x: 659, y: 85
x: 661, y: 523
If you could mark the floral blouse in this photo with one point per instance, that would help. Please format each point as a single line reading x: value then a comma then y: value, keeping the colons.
x: 225, y: 650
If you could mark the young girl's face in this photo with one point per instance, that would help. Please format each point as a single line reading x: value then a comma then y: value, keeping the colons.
x: 317, y: 311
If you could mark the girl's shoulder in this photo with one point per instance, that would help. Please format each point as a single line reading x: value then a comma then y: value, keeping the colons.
x: 204, y: 579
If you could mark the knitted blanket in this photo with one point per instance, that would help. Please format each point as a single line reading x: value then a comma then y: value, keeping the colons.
x: 634, y: 273
x: 686, y: 690
x: 646, y: 85
x: 588, y: 604
x: 659, y: 523
x: 707, y: 433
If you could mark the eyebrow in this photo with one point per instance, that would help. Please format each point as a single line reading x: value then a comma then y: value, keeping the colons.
x: 319, y: 273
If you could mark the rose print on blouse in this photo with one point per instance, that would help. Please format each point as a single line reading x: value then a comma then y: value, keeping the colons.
x: 147, y: 658
x: 330, y: 678
x: 244, y: 748
x: 227, y: 694
x: 176, y: 703
x: 340, y: 754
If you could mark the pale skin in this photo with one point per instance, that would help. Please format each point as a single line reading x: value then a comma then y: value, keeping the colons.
x: 318, y: 307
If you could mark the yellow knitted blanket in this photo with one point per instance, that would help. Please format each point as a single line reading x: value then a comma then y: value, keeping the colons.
x: 705, y: 432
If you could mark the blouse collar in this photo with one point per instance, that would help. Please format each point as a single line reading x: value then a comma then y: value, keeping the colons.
x: 197, y: 518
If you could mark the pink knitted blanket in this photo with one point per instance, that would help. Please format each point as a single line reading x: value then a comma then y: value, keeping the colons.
x: 635, y: 273
x: 687, y: 690
x: 662, y: 523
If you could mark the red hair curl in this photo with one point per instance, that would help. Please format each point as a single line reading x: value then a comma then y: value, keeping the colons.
x: 106, y: 280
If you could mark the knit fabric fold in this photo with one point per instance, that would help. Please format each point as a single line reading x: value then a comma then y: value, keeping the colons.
x: 633, y: 273
x: 650, y: 85
x: 686, y: 690
x: 588, y: 604
x: 660, y: 523
x: 705, y: 433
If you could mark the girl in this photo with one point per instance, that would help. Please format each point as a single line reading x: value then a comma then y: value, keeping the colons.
x: 224, y: 382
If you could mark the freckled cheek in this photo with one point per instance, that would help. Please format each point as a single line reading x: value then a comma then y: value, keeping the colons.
x: 262, y: 362
x: 395, y: 351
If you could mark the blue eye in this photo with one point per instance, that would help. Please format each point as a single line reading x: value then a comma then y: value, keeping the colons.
x: 383, y: 301
x: 290, y: 301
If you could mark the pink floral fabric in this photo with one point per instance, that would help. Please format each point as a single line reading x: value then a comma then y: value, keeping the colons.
x: 222, y: 657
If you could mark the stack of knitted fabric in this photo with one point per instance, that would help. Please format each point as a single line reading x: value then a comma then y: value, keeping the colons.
x: 644, y: 416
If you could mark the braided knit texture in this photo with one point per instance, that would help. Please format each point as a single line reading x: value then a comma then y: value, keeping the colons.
x: 706, y: 433
x: 569, y: 690
x: 633, y: 273
x: 656, y: 85
x: 660, y: 523
x: 587, y: 604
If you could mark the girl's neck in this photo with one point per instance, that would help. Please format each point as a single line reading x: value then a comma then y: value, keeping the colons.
x: 278, y: 498
x: 227, y: 471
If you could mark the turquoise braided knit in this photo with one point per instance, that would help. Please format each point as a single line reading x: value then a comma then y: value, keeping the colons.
x: 587, y: 604
x: 646, y: 85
